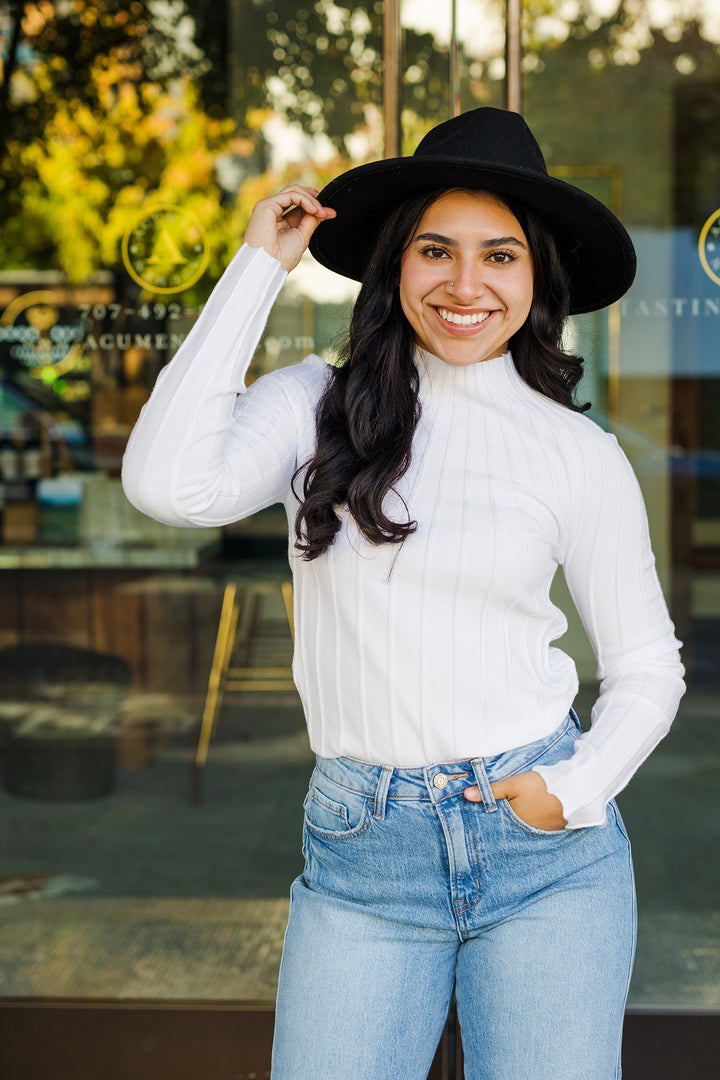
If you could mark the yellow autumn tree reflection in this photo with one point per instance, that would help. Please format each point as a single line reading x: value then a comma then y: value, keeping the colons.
x: 92, y: 170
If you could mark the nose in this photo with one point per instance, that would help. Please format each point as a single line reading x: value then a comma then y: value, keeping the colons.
x: 466, y: 282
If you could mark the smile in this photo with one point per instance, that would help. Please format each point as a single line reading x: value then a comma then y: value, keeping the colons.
x: 463, y: 320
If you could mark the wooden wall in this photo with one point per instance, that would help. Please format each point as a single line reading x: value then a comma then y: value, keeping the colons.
x: 164, y: 625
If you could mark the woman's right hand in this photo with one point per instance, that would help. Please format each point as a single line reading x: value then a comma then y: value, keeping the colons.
x: 284, y: 223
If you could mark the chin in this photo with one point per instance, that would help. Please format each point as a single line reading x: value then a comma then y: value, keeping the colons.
x: 464, y: 357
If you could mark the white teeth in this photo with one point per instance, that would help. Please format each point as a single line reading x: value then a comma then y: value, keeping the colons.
x: 463, y: 320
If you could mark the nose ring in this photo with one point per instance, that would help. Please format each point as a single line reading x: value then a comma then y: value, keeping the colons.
x: 450, y: 285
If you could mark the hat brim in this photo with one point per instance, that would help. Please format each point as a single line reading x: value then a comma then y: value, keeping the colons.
x: 595, y: 248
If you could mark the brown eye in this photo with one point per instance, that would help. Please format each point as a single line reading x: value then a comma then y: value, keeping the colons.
x: 501, y: 258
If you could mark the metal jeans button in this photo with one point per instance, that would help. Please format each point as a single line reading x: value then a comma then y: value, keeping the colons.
x: 440, y: 780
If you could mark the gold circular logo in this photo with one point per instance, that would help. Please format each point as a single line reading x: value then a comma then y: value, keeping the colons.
x: 709, y: 247
x: 164, y: 249
x: 37, y: 337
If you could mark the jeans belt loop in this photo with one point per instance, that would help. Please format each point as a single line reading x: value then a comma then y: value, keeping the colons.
x: 481, y: 779
x: 381, y: 791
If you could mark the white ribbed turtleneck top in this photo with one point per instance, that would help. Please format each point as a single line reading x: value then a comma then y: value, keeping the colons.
x: 440, y: 649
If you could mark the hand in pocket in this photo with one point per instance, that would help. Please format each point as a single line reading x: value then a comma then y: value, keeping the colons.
x: 529, y: 798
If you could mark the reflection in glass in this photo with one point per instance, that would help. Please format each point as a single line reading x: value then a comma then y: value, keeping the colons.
x: 135, y: 140
x: 624, y: 95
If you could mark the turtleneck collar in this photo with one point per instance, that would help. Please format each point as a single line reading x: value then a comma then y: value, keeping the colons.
x: 436, y: 373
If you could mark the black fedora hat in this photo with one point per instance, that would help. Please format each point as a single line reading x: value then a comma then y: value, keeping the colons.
x: 491, y: 150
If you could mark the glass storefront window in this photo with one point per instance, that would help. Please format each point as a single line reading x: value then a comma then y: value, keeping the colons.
x: 135, y: 142
x: 622, y: 98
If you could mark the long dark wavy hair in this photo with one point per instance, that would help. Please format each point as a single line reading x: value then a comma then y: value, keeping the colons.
x: 368, y: 413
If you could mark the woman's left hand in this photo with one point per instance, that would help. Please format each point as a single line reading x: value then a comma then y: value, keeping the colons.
x: 529, y: 799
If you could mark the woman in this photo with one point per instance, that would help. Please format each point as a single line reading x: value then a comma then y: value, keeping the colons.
x: 460, y: 830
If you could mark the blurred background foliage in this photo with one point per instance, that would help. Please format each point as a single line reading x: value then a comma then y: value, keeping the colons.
x: 105, y: 108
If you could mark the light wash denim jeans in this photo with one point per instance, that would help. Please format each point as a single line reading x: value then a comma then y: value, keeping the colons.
x: 409, y: 891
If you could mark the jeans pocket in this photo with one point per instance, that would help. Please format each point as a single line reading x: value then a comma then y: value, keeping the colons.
x: 531, y: 830
x: 335, y: 813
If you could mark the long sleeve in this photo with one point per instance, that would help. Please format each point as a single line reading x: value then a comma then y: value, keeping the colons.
x: 199, y: 454
x: 610, y: 571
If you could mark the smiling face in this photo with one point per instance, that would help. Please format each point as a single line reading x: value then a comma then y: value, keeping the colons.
x: 466, y: 278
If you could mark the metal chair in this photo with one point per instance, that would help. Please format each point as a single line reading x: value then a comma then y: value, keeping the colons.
x: 240, y: 628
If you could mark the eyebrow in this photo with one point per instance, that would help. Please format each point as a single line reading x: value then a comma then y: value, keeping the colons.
x: 498, y: 241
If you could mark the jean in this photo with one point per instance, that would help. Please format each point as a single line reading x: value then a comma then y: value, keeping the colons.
x: 411, y: 892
